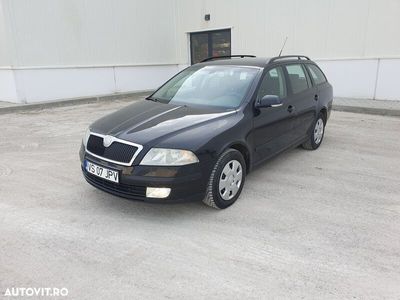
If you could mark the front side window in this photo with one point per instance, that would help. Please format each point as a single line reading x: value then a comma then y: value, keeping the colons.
x: 219, y: 86
x: 297, y: 77
x: 316, y: 74
x: 273, y: 83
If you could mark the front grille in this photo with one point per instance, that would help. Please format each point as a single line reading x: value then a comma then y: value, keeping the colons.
x: 119, y: 189
x: 116, y: 151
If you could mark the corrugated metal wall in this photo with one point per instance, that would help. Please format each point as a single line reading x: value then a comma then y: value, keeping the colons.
x: 73, y: 48
x: 103, y: 32
x: 92, y: 32
x: 319, y: 28
x: 5, y: 58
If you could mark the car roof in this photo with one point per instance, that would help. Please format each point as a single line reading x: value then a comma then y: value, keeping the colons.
x: 260, y: 62
x: 237, y: 61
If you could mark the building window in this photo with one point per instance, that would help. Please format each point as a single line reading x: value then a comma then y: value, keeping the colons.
x: 209, y: 43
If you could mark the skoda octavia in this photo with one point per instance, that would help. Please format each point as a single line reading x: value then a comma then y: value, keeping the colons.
x: 204, y: 130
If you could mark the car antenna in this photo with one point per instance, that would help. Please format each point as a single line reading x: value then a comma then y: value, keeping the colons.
x: 283, y: 46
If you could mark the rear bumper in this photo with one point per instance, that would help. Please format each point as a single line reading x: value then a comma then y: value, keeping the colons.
x: 186, y: 182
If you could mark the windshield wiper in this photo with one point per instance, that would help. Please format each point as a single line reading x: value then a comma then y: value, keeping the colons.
x: 152, y: 99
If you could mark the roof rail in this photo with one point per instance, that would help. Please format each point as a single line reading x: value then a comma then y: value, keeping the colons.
x: 299, y: 57
x: 226, y: 56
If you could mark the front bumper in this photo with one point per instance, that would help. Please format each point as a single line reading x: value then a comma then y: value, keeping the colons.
x: 186, y: 182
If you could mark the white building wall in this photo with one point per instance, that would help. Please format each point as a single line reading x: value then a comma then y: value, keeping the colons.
x: 388, y: 79
x: 5, y: 58
x: 75, y: 48
x: 46, y: 84
x: 321, y: 29
x: 349, y: 38
x: 92, y: 32
x: 8, y: 90
x: 355, y: 77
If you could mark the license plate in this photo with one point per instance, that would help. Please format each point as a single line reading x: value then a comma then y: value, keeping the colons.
x: 102, y: 172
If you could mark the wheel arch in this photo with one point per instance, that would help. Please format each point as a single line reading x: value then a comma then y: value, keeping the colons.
x: 324, y: 112
x: 244, y: 150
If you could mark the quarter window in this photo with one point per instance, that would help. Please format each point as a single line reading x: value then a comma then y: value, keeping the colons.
x: 316, y: 74
x: 297, y: 77
x: 273, y: 84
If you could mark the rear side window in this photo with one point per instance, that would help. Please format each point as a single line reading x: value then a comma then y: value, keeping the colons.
x: 297, y: 77
x: 273, y: 83
x: 316, y: 74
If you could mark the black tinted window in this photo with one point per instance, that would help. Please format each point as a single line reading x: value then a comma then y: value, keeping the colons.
x: 273, y: 84
x: 316, y: 74
x: 297, y: 78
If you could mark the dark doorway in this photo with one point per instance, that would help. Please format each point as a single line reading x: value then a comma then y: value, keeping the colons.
x: 209, y: 43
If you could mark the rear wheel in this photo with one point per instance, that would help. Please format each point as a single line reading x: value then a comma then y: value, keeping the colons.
x: 317, y: 134
x: 226, y: 180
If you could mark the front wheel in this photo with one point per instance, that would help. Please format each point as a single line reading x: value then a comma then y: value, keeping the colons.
x: 226, y: 180
x: 317, y: 134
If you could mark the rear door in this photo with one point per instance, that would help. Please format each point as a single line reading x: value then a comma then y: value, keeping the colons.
x: 302, y: 95
x: 272, y: 127
x: 323, y: 88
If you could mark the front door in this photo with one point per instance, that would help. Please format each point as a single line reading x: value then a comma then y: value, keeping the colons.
x: 273, y: 126
x: 209, y: 43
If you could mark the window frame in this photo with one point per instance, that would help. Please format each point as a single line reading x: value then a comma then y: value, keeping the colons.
x: 261, y: 80
x: 248, y: 96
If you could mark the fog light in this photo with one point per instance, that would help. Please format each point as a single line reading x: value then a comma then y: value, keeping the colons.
x: 152, y: 192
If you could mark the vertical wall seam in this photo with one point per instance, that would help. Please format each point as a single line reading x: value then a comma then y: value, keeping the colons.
x: 175, y: 26
x: 19, y: 79
x: 377, y: 77
x: 115, y: 81
x: 11, y: 32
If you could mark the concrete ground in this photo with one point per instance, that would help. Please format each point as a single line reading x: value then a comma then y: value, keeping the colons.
x: 6, y: 104
x: 322, y: 224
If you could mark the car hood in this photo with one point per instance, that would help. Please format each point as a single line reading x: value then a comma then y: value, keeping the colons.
x: 146, y: 121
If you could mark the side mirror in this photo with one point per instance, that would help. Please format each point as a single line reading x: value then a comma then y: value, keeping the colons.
x: 269, y: 101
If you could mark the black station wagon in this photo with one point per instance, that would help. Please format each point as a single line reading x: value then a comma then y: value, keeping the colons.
x: 204, y: 130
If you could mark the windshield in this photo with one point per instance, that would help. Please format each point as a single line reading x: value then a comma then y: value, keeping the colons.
x: 221, y: 86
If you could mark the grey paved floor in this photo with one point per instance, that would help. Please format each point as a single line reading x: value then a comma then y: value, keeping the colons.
x: 314, y: 225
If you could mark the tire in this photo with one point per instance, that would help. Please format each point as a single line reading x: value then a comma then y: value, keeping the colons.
x: 225, y: 173
x: 316, y: 135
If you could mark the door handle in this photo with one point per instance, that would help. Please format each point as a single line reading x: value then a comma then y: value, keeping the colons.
x: 290, y: 108
x: 316, y: 97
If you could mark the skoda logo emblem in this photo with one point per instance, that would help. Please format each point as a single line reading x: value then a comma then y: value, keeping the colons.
x: 108, y: 140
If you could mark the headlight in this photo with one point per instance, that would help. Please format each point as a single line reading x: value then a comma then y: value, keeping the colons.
x: 86, y: 137
x: 168, y: 157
